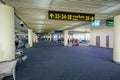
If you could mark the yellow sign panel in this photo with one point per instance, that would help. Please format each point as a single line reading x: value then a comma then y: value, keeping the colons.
x: 70, y: 16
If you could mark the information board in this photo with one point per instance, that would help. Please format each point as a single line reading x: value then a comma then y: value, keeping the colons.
x: 59, y: 15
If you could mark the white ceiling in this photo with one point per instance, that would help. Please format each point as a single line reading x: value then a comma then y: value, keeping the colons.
x: 34, y: 13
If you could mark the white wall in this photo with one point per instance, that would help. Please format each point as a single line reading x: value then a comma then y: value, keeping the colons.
x: 102, y: 33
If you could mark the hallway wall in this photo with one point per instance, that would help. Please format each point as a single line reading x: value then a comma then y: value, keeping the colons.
x: 102, y: 33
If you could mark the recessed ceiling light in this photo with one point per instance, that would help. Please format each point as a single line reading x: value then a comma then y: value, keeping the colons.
x: 74, y: 23
x: 41, y: 22
x: 67, y: 26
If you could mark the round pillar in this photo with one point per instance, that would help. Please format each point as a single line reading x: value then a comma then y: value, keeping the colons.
x: 116, y: 47
x: 30, y: 37
x: 66, y: 36
x: 7, y: 33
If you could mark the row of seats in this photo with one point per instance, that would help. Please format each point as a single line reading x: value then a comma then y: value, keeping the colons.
x: 7, y: 68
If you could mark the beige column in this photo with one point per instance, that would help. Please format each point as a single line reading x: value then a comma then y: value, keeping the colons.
x: 50, y: 37
x: 66, y: 36
x: 30, y: 42
x: 7, y: 33
x: 116, y: 47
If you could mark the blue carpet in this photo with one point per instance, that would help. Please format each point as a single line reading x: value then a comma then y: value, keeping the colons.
x: 51, y: 61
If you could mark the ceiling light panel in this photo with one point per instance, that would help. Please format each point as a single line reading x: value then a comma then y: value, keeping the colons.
x: 30, y: 16
x: 38, y: 26
x: 22, y: 9
x: 58, y: 22
x: 44, y: 4
x: 103, y: 2
x: 75, y: 24
x: 35, y: 13
x: 112, y: 9
x: 77, y: 4
x: 38, y: 22
x: 83, y: 6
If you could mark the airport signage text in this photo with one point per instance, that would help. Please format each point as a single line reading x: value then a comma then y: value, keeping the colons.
x: 59, y: 15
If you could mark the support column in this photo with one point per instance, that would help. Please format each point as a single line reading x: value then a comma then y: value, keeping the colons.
x: 7, y: 33
x: 30, y: 42
x: 50, y: 37
x: 116, y: 47
x: 66, y: 36
x: 33, y: 37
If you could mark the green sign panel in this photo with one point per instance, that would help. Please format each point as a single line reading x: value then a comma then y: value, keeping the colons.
x: 58, y: 15
x: 109, y: 22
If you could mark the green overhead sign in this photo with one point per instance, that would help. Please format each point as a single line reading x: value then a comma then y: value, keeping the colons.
x: 109, y: 22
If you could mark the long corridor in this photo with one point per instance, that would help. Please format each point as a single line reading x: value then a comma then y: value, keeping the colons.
x: 51, y: 61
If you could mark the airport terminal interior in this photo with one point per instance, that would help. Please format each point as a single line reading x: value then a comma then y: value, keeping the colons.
x: 60, y: 40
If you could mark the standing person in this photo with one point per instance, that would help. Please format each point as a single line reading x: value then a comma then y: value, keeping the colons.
x: 16, y: 43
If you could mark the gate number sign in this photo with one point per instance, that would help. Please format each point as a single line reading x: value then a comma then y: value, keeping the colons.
x: 58, y: 15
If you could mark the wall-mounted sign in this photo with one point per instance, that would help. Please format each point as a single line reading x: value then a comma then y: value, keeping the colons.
x: 58, y: 15
x: 109, y: 22
x: 96, y: 23
x: 58, y: 31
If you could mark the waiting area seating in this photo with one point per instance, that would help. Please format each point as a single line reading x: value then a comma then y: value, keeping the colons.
x: 7, y: 68
x: 20, y: 56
